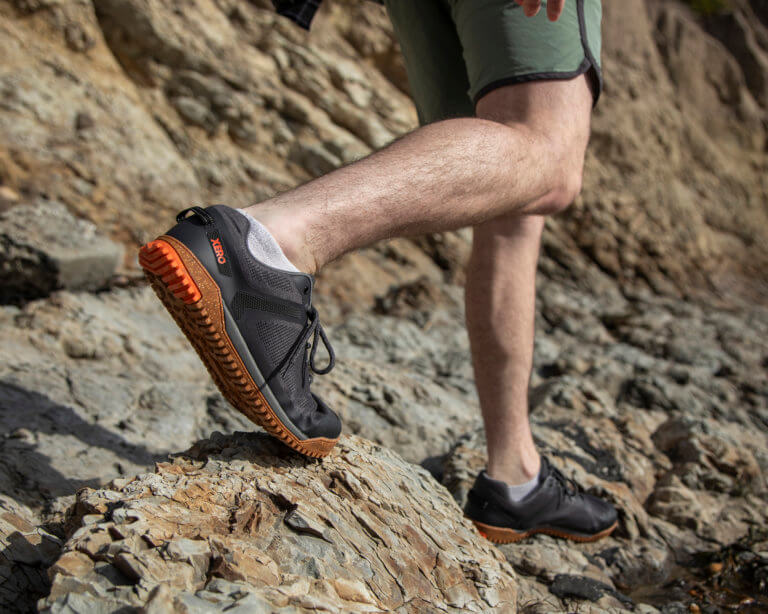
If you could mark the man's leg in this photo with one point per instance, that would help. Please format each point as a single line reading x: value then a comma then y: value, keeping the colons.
x: 446, y: 175
x: 501, y: 274
x: 520, y: 160
x: 500, y: 295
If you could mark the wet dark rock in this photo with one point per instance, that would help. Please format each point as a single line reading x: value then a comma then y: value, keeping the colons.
x: 566, y: 586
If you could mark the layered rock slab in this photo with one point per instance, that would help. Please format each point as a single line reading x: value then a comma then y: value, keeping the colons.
x: 239, y: 520
x: 26, y: 551
x: 44, y: 248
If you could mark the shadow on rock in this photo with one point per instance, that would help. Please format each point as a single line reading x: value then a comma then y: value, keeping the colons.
x: 26, y: 552
x: 31, y: 423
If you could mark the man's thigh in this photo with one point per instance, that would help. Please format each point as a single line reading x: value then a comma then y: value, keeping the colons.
x: 501, y: 46
x: 558, y: 109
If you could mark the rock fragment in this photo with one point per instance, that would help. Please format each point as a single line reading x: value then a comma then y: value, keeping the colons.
x: 44, y: 248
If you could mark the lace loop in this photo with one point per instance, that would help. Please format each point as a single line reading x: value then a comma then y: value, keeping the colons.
x: 313, y: 329
x: 198, y: 211
x: 319, y: 334
x: 569, y: 487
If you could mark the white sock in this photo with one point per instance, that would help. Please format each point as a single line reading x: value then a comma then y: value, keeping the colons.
x: 518, y: 492
x: 264, y: 247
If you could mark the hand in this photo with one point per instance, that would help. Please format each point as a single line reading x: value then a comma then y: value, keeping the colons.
x: 531, y: 7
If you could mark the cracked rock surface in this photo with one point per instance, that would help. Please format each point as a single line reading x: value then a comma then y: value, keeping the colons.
x: 239, y: 521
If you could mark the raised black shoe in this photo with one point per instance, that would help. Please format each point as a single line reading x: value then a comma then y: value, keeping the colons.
x: 253, y: 326
x: 555, y: 506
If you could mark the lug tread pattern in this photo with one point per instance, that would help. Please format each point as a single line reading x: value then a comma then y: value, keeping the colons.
x: 503, y: 535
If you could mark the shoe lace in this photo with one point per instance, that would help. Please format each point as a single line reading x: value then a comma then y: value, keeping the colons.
x: 568, y: 488
x: 315, y: 330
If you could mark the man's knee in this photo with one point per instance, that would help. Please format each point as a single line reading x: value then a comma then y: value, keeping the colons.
x: 555, y: 117
x: 559, y: 157
x: 565, y: 188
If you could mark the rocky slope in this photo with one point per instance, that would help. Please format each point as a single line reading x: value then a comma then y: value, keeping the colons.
x: 123, y: 109
x: 649, y: 385
x: 241, y: 521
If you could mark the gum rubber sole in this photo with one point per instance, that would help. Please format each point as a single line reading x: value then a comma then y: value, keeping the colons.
x: 501, y: 535
x: 194, y: 301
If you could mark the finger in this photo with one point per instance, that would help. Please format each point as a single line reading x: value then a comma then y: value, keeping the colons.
x: 554, y: 9
x: 531, y: 7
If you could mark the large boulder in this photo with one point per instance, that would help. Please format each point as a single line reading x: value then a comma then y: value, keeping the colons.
x: 240, y: 520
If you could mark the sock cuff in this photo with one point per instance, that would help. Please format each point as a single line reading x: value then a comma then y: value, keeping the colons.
x: 264, y: 247
x: 515, y: 492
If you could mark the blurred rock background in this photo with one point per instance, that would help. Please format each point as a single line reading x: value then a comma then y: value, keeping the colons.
x: 650, y: 384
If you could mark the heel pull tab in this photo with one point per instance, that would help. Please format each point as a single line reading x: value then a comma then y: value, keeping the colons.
x: 198, y: 211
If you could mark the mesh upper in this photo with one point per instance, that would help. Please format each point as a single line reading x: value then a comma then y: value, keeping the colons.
x: 278, y: 337
x: 269, y: 280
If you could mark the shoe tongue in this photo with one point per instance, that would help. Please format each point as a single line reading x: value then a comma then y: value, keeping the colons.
x: 545, y: 470
x: 238, y: 221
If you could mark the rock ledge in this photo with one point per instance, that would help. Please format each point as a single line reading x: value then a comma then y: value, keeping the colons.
x: 240, y: 520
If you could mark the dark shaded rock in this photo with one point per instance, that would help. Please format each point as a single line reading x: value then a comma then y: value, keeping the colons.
x: 580, y: 587
x: 26, y: 551
x: 44, y: 248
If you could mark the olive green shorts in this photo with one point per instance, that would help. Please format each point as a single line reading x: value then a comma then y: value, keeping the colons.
x: 456, y: 51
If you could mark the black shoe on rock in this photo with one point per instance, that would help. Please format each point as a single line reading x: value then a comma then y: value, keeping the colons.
x: 555, y: 507
x: 253, y: 325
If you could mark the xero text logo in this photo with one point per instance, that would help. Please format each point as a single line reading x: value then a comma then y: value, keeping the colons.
x: 218, y: 250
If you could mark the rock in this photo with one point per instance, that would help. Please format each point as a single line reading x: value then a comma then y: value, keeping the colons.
x: 707, y: 456
x: 239, y: 520
x: 8, y: 195
x: 566, y: 586
x: 26, y: 551
x: 87, y: 394
x: 642, y: 426
x: 234, y: 87
x: 44, y: 248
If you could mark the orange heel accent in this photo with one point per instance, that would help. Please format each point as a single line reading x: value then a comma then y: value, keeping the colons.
x: 160, y: 259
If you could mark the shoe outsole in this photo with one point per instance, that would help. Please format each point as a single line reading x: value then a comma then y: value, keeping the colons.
x: 193, y: 299
x: 502, y: 535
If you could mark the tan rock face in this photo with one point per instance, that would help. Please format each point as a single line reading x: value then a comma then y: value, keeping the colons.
x: 361, y: 531
x: 128, y: 110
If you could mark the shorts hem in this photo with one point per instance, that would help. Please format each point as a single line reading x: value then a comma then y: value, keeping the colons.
x: 535, y: 76
x: 587, y: 63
